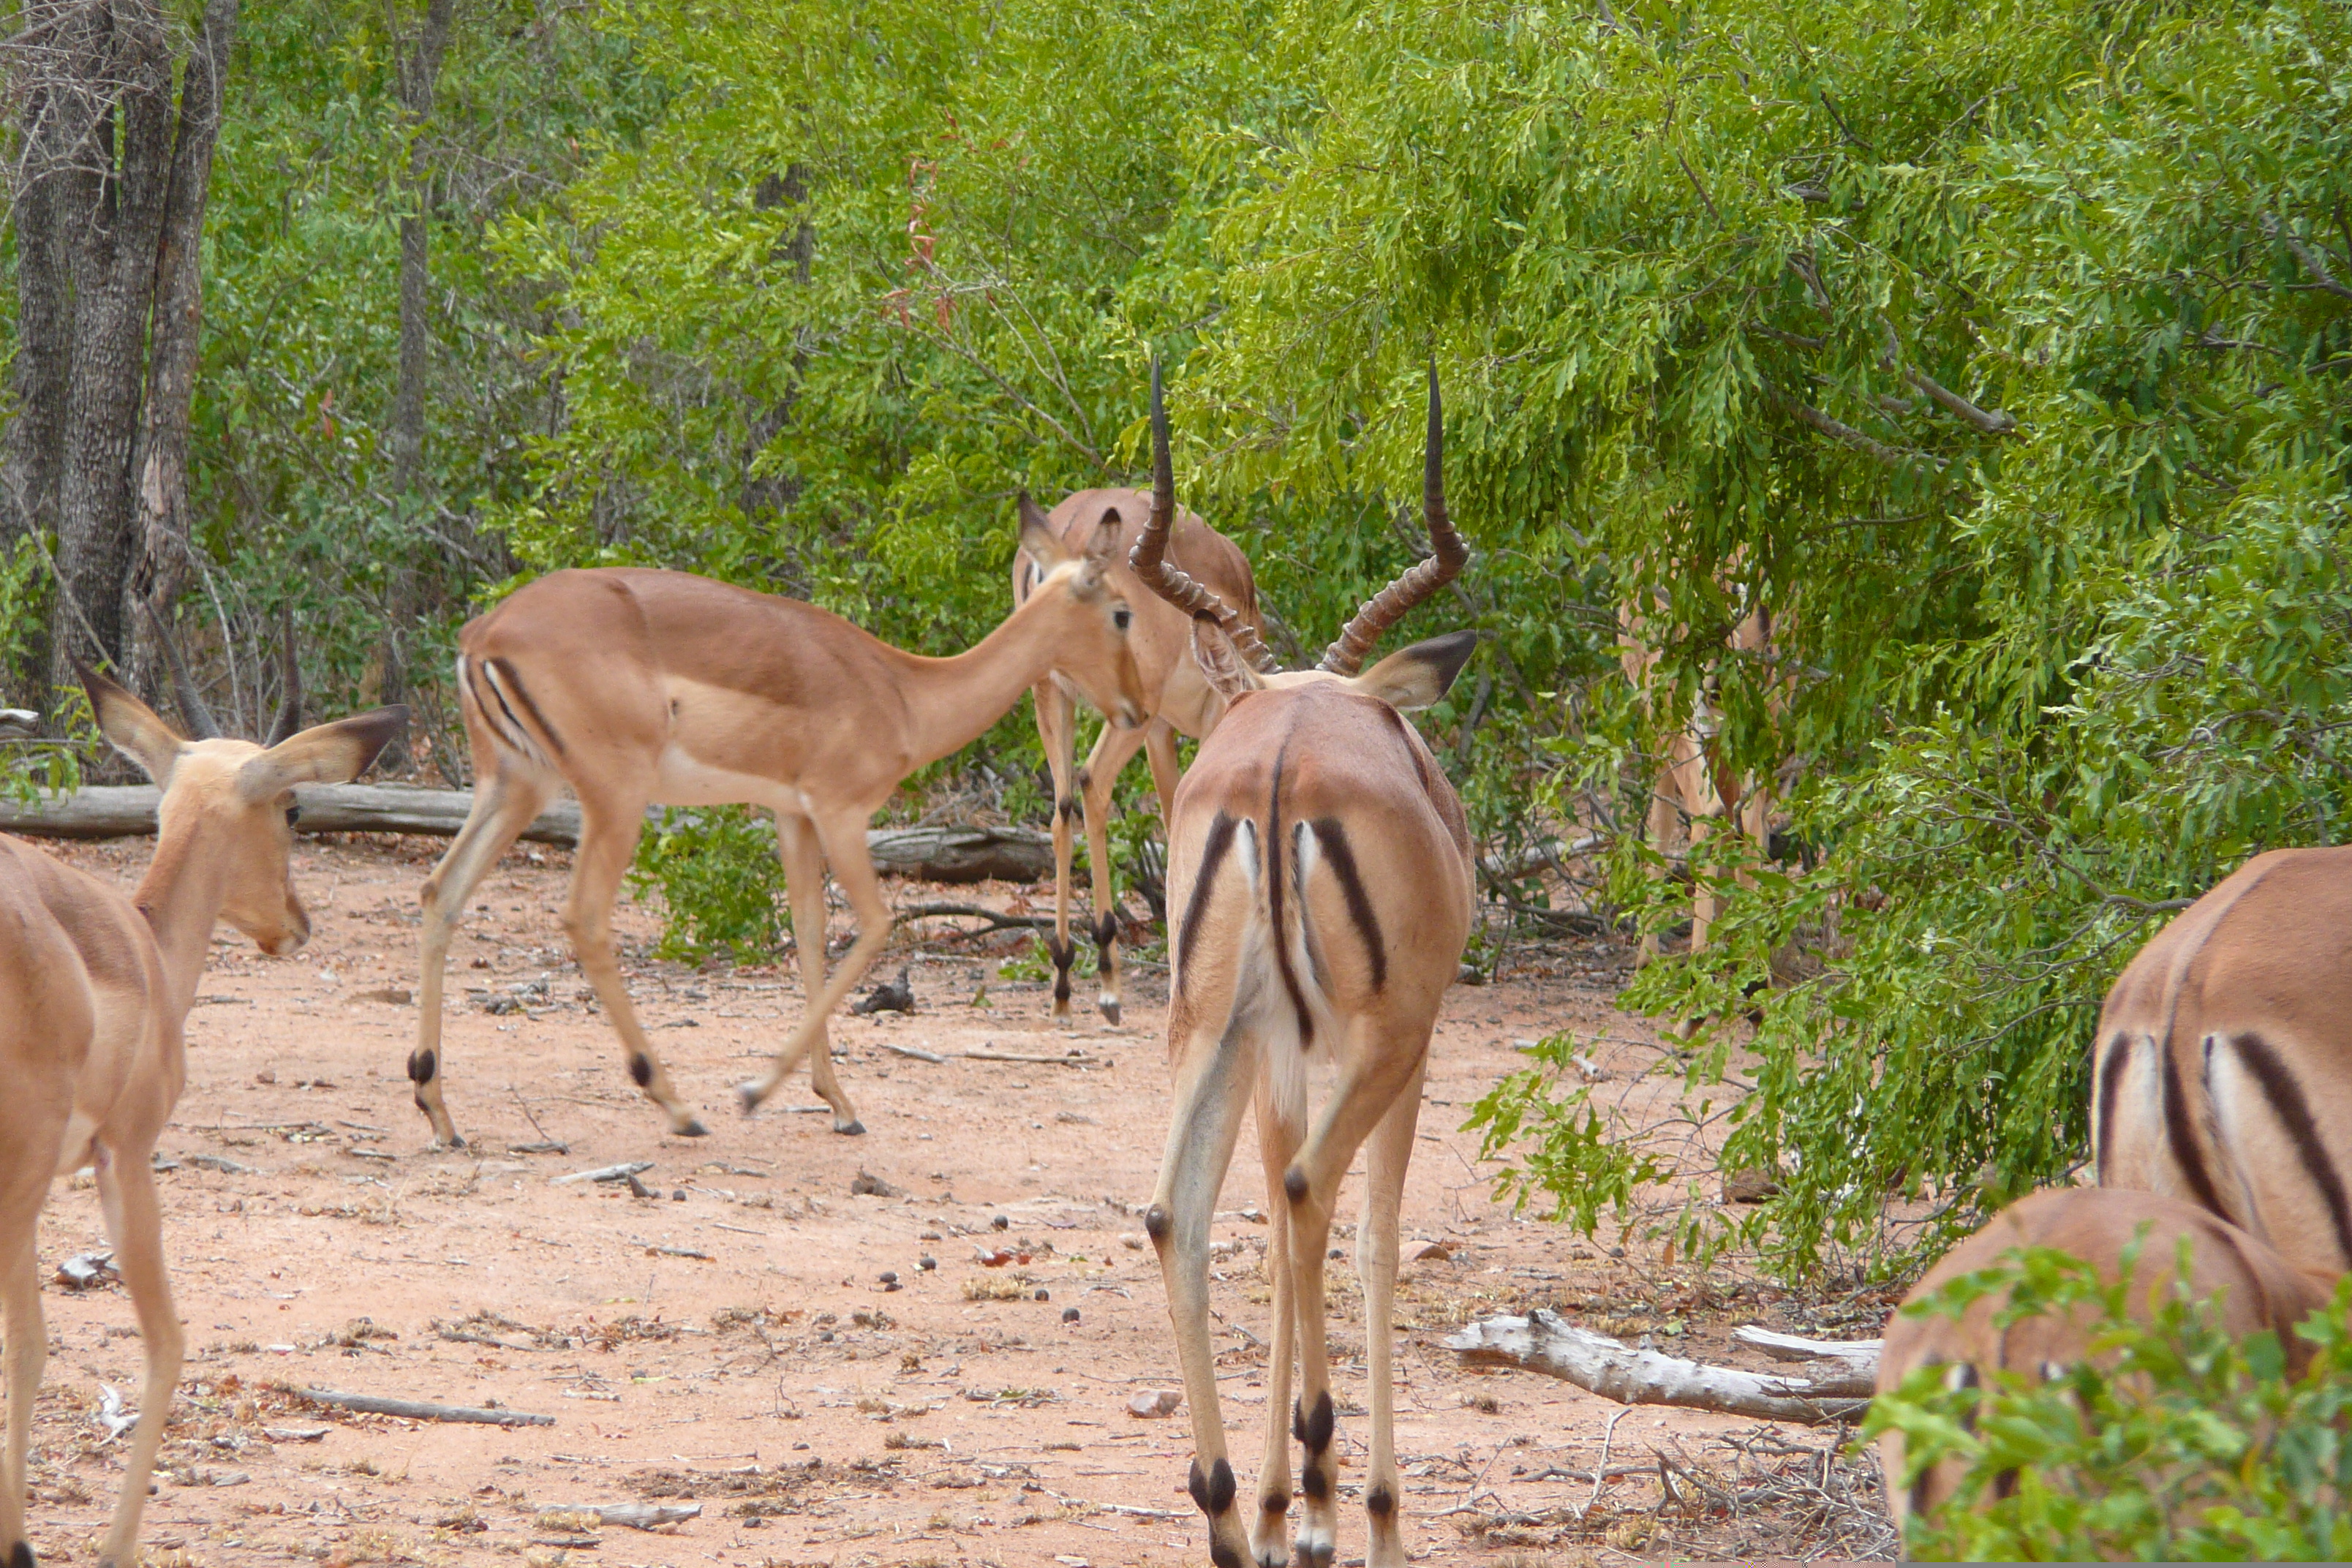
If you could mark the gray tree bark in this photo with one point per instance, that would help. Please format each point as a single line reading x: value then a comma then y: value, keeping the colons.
x: 419, y: 74
x: 161, y: 558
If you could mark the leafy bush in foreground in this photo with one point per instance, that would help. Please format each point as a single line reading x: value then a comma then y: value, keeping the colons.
x: 2185, y: 1445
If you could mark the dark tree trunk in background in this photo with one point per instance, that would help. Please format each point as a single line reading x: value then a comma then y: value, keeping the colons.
x: 110, y: 206
x: 418, y: 75
x: 159, y: 468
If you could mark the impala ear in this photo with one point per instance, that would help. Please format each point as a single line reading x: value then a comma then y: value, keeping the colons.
x: 1102, y: 548
x: 1038, y: 539
x: 130, y: 726
x: 325, y: 753
x: 1418, y: 676
x: 1229, y: 675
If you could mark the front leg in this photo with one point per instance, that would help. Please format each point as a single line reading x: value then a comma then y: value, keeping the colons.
x: 1058, y: 733
x: 842, y: 836
x: 803, y: 857
x: 1214, y: 1080
x: 135, y: 1224
x: 609, y: 830
x: 1111, y: 754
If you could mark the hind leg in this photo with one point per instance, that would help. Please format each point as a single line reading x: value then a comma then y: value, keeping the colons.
x: 1388, y: 1152
x: 1278, y: 1143
x: 503, y: 807
x: 610, y: 825
x: 1381, y: 1063
x: 1058, y: 733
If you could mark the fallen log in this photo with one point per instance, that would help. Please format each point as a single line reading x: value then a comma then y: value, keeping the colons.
x: 1597, y: 1363
x: 417, y: 1410
x: 119, y: 811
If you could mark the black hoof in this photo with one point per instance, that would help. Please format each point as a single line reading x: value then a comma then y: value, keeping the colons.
x: 455, y: 1141
x: 1109, y: 1011
x: 694, y: 1128
x: 854, y: 1130
x: 749, y: 1093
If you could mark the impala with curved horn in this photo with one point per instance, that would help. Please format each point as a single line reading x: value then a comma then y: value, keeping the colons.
x: 94, y: 990
x: 1177, y: 695
x: 1320, y: 862
x: 638, y: 687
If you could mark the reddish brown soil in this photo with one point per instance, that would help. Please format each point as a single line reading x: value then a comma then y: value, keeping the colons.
x: 731, y: 1341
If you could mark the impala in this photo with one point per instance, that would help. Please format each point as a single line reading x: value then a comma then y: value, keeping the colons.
x: 1320, y: 862
x: 94, y: 988
x: 2219, y: 1064
x: 1691, y: 786
x: 638, y: 687
x: 1177, y: 695
x: 2122, y: 1234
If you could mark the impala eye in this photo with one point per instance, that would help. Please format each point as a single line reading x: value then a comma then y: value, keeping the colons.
x: 1119, y: 617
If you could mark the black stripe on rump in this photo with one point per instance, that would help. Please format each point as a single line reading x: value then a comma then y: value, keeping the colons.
x: 1213, y: 856
x: 1341, y: 858
x: 2289, y: 1104
x: 507, y: 676
x: 1273, y: 900
x: 2182, y: 1138
x: 486, y: 693
x: 2110, y: 1083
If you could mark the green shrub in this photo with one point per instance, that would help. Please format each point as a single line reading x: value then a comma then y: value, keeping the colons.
x: 2187, y: 1445
x: 717, y: 871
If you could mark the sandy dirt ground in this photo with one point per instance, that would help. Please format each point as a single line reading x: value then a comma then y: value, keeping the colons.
x: 832, y: 1375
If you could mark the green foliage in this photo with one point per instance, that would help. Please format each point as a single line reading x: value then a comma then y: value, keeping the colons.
x: 2179, y: 1442
x: 722, y: 884
x: 1575, y: 1156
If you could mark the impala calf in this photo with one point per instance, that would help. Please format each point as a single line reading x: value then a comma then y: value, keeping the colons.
x: 2252, y: 1286
x: 639, y: 688
x: 1177, y: 695
x: 94, y: 988
x: 2220, y: 1067
x: 1321, y: 864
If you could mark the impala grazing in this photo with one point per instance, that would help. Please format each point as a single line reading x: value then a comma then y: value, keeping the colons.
x: 94, y: 988
x: 2257, y: 1289
x: 1177, y: 695
x: 1320, y: 862
x: 2218, y: 1071
x: 638, y: 687
x: 1692, y: 786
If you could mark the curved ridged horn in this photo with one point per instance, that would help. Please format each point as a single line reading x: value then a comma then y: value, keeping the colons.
x: 1448, y: 553
x: 198, y: 718
x: 289, y: 707
x: 1149, y: 559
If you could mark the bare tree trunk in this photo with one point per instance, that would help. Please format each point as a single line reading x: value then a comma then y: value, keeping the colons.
x: 114, y: 285
x: 159, y: 573
x: 418, y: 75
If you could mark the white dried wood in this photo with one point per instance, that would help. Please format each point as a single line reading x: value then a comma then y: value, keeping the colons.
x: 1549, y: 1344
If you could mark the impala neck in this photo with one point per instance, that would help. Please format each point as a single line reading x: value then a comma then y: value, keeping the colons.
x: 951, y: 701
x: 181, y: 896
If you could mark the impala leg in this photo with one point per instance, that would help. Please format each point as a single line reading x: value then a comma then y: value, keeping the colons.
x: 609, y: 830
x: 1215, y: 1078
x: 27, y: 1347
x: 1278, y: 1143
x: 803, y: 855
x: 126, y: 1189
x: 1388, y: 1152
x: 1112, y: 753
x: 1159, y: 746
x: 1381, y: 1064
x: 843, y: 840
x: 502, y: 808
x: 1057, y: 732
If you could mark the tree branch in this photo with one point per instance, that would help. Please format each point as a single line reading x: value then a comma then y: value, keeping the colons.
x: 1992, y: 422
x: 1893, y: 456
x: 2313, y: 262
